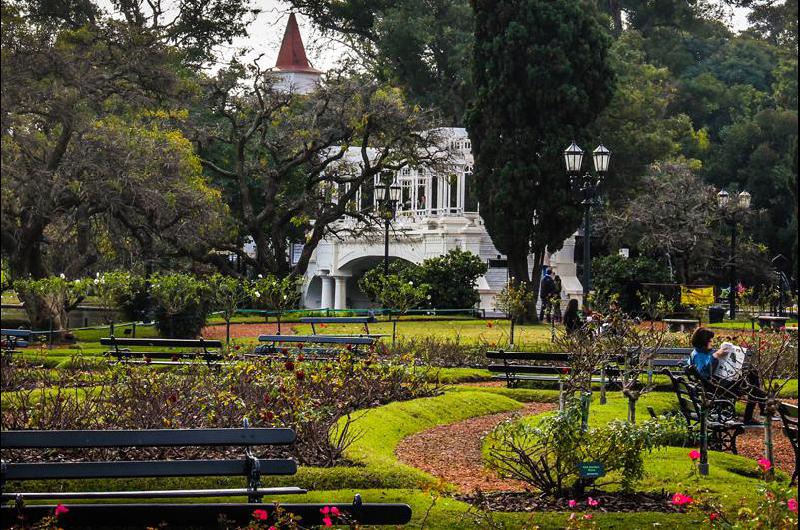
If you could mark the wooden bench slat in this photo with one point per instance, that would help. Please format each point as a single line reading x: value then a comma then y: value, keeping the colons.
x: 318, y: 339
x: 139, y: 469
x: 529, y: 356
x: 154, y: 494
x: 146, y: 438
x: 152, y: 514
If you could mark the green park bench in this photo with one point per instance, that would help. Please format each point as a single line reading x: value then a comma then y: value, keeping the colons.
x: 364, y: 321
x: 312, y: 347
x: 189, y: 351
x: 788, y: 413
x: 144, y: 511
x: 13, y: 339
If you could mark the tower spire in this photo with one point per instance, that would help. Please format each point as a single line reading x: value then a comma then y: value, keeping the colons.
x: 292, y: 56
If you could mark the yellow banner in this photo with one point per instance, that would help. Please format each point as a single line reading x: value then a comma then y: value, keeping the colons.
x: 697, y: 295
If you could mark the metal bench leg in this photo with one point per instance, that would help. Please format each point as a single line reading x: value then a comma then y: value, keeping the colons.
x: 650, y: 372
x: 603, y: 385
x: 560, y: 394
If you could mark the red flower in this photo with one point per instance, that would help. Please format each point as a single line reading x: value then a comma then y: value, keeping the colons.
x: 267, y: 398
x: 300, y: 375
x: 260, y: 514
x: 335, y: 511
x: 679, y: 499
x: 325, y: 510
x: 764, y: 464
x: 792, y: 505
x: 285, y: 351
x: 327, y: 521
x: 591, y: 502
x: 289, y: 365
x: 565, y: 370
x: 587, y: 516
x: 300, y: 346
x: 694, y: 454
x: 713, y: 516
x: 301, y: 357
x: 236, y: 347
x: 349, y: 347
x: 61, y: 509
x: 269, y: 415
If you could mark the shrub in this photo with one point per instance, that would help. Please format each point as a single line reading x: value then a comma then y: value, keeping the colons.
x: 50, y: 299
x: 452, y: 279
x: 123, y: 291
x: 546, y: 455
x: 182, y: 304
x: 624, y: 277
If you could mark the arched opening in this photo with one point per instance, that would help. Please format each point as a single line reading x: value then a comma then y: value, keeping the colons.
x: 313, y: 296
x: 356, y: 298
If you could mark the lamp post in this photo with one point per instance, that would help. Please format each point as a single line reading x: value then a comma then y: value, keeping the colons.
x: 730, y: 213
x: 586, y: 185
x: 388, y: 197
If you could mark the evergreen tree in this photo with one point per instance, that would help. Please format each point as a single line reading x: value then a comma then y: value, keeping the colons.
x: 541, y: 76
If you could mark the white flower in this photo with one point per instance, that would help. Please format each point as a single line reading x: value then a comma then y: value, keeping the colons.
x: 260, y: 275
x: 257, y: 294
x: 428, y: 297
x: 77, y: 281
x: 62, y: 276
x: 96, y: 281
x: 96, y: 274
x: 285, y: 296
x: 411, y: 284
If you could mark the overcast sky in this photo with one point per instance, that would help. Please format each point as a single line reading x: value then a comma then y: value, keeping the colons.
x: 266, y: 32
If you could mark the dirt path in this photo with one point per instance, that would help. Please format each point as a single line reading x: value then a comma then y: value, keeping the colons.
x: 245, y: 331
x: 453, y: 452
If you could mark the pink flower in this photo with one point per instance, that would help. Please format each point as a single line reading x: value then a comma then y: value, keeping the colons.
x: 713, y: 516
x: 679, y: 499
x: 792, y: 505
x: 272, y: 528
x: 587, y: 516
x: 327, y: 521
x: 694, y: 454
x: 572, y: 503
x: 335, y: 511
x: 591, y: 502
x: 764, y: 464
x: 325, y: 510
x: 260, y: 514
x: 61, y: 509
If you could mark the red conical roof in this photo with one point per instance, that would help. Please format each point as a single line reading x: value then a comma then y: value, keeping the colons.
x: 292, y: 57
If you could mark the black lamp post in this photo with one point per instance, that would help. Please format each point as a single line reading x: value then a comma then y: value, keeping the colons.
x: 388, y: 197
x: 731, y: 214
x: 586, y: 185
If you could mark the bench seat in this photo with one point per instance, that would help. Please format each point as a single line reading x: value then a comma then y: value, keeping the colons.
x: 193, y: 350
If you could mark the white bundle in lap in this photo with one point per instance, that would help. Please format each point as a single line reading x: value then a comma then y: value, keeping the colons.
x: 730, y: 366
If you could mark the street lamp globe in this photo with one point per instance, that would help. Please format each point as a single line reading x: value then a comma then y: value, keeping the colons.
x: 602, y: 157
x: 573, y: 156
x: 744, y: 199
x: 722, y: 198
x: 395, y: 193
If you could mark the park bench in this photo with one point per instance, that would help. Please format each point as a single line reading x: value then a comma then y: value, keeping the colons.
x: 544, y: 366
x: 146, y: 513
x: 771, y: 322
x: 788, y: 413
x: 365, y: 321
x: 681, y: 324
x: 13, y: 339
x: 322, y: 347
x: 191, y: 351
x: 674, y: 359
x: 723, y: 427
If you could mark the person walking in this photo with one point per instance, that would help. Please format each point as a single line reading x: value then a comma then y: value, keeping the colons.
x: 545, y: 292
x: 572, y: 321
x: 556, y: 298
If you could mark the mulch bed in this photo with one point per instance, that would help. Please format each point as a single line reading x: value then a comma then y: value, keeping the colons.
x: 453, y: 452
x: 506, y: 501
x: 245, y: 331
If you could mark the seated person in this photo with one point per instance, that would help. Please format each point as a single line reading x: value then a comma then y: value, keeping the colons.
x: 706, y: 361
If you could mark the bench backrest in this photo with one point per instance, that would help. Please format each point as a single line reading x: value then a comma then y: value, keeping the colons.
x: 788, y: 414
x: 164, y: 343
x: 530, y: 356
x: 21, y: 333
x: 317, y: 339
x: 146, y: 438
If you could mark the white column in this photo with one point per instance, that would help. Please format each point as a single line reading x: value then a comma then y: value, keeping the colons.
x: 326, y: 300
x: 340, y: 293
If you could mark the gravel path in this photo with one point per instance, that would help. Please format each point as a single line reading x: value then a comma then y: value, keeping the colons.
x: 453, y: 452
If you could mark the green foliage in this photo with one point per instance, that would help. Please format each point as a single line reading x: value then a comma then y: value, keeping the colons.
x: 615, y: 274
x: 515, y: 300
x: 394, y: 291
x: 48, y: 300
x: 546, y: 454
x: 541, y: 75
x: 452, y: 279
x: 228, y: 294
x: 182, y: 304
x: 124, y: 291
x: 277, y: 294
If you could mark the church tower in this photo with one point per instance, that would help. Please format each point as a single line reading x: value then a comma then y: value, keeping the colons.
x: 294, y: 72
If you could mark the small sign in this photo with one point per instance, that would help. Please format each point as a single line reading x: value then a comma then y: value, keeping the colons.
x: 591, y: 470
